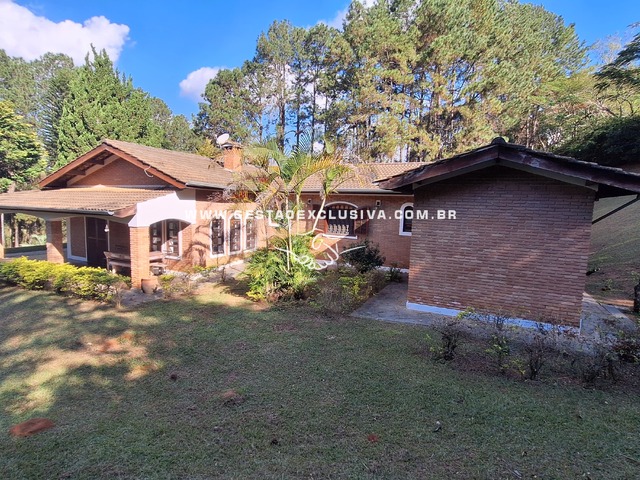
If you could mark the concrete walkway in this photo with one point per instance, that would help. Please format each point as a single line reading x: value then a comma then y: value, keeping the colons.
x: 389, y: 305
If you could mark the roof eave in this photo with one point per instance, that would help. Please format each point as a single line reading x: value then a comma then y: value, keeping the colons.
x: 105, y: 213
x: 206, y: 185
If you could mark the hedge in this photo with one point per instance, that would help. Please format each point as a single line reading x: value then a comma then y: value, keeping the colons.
x: 63, y: 278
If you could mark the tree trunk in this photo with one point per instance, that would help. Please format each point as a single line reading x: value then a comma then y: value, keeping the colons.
x: 16, y: 231
x: 636, y: 299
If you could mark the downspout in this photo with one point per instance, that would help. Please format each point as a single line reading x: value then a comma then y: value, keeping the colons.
x: 616, y: 210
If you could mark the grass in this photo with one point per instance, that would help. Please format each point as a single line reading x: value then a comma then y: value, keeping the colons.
x: 217, y: 386
x: 615, y: 243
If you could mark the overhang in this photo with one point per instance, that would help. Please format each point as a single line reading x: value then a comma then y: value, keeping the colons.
x: 607, y: 181
x: 98, y: 201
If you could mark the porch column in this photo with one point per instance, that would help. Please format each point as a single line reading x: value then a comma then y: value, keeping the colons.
x: 1, y: 235
x: 55, y: 250
x: 139, y: 245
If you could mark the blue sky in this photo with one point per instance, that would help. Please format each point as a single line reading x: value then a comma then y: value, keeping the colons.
x: 160, y: 44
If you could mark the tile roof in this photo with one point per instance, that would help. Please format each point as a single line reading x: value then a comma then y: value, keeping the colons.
x: 363, y: 177
x: 184, y: 167
x: 96, y: 200
x: 611, y: 181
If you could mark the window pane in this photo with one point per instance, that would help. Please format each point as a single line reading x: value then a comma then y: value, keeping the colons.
x: 173, y: 244
x: 339, y: 221
x: 235, y: 235
x: 217, y: 236
x: 155, y: 232
x: 250, y: 229
x: 407, y: 222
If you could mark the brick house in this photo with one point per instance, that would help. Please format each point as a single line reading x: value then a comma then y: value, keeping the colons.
x: 506, y: 229
x: 139, y: 209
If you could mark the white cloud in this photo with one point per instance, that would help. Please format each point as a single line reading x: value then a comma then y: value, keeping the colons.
x: 193, y: 86
x: 337, y: 21
x: 24, y: 34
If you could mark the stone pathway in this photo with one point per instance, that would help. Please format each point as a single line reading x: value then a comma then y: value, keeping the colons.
x: 390, y: 305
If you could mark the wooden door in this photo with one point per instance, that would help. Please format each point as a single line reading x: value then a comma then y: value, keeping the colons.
x: 97, y: 242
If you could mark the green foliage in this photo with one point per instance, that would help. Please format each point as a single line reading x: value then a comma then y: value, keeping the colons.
x: 342, y: 291
x: 613, y: 142
x: 83, y: 282
x: 274, y: 274
x: 365, y: 257
x: 20, y: 151
x: 230, y: 107
x: 103, y: 104
x: 449, y: 341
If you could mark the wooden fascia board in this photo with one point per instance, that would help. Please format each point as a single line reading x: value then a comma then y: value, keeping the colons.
x: 591, y: 175
x: 441, y: 170
x: 45, y: 182
x: 67, y: 169
x: 146, y: 167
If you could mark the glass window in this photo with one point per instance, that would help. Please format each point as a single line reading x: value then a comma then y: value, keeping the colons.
x: 406, y: 224
x: 235, y: 235
x: 165, y: 237
x: 251, y: 234
x: 339, y: 220
x: 217, y: 236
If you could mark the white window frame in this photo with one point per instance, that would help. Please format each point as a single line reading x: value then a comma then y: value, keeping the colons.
x: 401, y: 228
x: 224, y: 240
x: 244, y: 235
x: 164, y: 238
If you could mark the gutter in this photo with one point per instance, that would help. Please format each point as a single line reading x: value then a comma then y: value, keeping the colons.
x: 206, y: 185
x: 58, y: 210
x: 616, y: 210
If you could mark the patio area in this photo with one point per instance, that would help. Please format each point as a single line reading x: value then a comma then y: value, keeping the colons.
x: 597, y: 320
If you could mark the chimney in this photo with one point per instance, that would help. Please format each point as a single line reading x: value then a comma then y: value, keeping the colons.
x: 232, y: 155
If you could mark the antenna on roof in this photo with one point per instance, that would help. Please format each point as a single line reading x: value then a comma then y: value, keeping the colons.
x: 222, y: 139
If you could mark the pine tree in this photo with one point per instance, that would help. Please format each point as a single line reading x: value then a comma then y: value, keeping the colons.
x: 20, y: 151
x: 100, y: 104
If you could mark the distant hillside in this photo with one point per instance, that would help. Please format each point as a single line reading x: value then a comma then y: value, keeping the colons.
x: 615, y: 250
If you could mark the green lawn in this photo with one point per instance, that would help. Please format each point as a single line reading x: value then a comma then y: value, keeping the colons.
x: 615, y: 251
x: 217, y: 386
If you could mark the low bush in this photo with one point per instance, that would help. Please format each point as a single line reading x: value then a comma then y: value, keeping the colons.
x: 343, y: 290
x: 450, y: 336
x: 363, y: 256
x: 274, y: 273
x: 83, y: 282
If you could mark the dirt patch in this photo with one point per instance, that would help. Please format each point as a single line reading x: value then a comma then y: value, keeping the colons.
x: 31, y: 427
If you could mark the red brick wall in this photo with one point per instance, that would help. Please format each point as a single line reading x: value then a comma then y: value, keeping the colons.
x: 382, y: 231
x: 198, y: 243
x: 119, y: 173
x: 119, y: 240
x: 519, y: 245
x: 76, y: 235
x: 55, y: 252
x: 196, y: 240
x: 139, y: 244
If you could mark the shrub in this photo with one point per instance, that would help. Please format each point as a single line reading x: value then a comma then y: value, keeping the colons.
x: 365, y: 257
x: 342, y: 291
x: 538, y: 349
x: 450, y: 336
x: 500, y: 350
x: 394, y: 274
x: 272, y: 277
x: 167, y: 285
x: 600, y: 363
x: 83, y: 282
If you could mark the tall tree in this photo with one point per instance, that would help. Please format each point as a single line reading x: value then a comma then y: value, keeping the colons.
x: 275, y: 52
x: 20, y: 151
x: 231, y: 106
x: 101, y: 103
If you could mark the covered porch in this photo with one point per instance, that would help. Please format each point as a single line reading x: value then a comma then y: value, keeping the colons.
x: 136, y: 232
